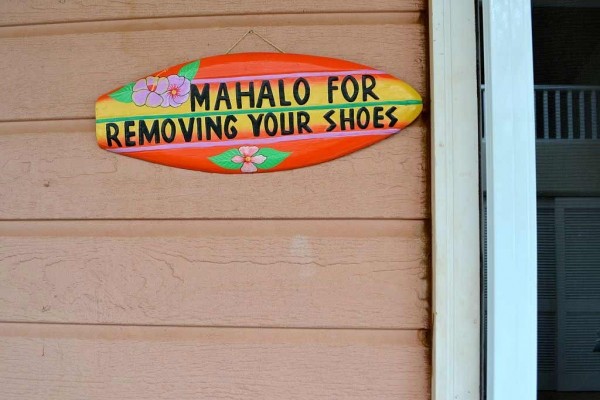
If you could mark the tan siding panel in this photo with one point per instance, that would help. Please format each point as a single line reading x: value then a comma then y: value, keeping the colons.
x: 82, y: 362
x: 62, y: 69
x: 216, y: 273
x: 124, y: 279
x: 59, y: 172
x: 15, y: 12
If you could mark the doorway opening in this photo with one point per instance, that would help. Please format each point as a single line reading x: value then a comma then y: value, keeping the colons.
x: 566, y: 58
x: 566, y: 50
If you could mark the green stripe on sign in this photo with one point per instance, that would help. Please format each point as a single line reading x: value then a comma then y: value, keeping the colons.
x: 263, y: 110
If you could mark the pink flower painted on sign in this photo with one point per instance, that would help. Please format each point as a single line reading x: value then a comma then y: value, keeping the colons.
x: 248, y: 159
x: 177, y: 92
x: 155, y: 91
x: 149, y: 91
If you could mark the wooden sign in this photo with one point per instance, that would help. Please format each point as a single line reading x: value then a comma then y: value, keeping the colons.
x: 254, y: 112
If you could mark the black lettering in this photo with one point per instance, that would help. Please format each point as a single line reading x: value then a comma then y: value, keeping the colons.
x: 149, y: 135
x: 239, y: 94
x: 199, y: 128
x: 332, y: 124
x: 270, y: 124
x: 287, y: 127
x: 349, y: 97
x: 377, y: 117
x: 282, y: 99
x: 186, y: 130
x: 301, y: 100
x: 222, y: 95
x: 346, y: 120
x: 200, y: 98
x: 230, y: 129
x: 129, y: 133
x: 212, y: 126
x: 112, y: 133
x: 368, y: 89
x: 163, y: 130
x: 363, y: 117
x: 256, y: 123
x: 390, y: 114
x: 265, y: 92
x: 303, y: 120
x: 331, y: 87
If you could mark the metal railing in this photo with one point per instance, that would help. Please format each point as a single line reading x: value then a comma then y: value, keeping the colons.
x: 566, y: 112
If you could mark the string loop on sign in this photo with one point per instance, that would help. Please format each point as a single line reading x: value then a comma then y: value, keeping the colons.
x: 251, y: 32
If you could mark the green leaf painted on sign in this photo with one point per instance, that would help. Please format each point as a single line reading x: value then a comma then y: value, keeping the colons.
x: 273, y: 157
x: 124, y: 95
x: 189, y: 70
x: 223, y: 160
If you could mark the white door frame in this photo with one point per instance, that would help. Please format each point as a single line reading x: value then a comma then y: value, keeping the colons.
x: 455, y: 200
x: 510, y: 176
x: 509, y: 124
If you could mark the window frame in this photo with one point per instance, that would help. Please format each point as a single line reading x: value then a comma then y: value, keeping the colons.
x: 455, y: 200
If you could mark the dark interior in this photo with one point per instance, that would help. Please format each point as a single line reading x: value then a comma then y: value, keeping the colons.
x: 566, y: 47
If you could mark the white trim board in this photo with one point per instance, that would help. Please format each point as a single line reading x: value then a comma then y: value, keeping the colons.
x: 511, y: 200
x: 455, y: 201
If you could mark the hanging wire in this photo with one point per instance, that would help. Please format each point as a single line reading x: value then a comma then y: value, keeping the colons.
x: 251, y: 32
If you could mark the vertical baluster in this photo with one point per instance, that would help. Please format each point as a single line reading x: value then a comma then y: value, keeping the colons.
x: 581, y: 114
x: 594, y: 115
x: 570, y: 113
x: 538, y: 114
x: 545, y: 111
x: 558, y: 132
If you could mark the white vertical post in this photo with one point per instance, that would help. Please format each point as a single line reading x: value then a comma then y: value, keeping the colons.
x: 511, y: 200
x: 455, y: 201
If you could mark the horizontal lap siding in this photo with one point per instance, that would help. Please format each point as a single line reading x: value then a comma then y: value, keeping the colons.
x: 81, y: 362
x: 68, y: 70
x: 61, y: 173
x: 216, y: 273
x: 15, y: 12
x: 124, y: 279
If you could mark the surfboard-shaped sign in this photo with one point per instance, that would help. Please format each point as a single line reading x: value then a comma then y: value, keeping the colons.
x: 254, y: 112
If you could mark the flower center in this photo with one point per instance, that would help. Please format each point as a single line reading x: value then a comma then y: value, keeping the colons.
x: 173, y: 92
x: 247, y: 159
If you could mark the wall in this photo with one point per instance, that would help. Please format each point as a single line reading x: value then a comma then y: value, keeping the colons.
x: 124, y: 279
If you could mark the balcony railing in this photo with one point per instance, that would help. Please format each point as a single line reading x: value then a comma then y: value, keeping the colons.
x: 567, y: 112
